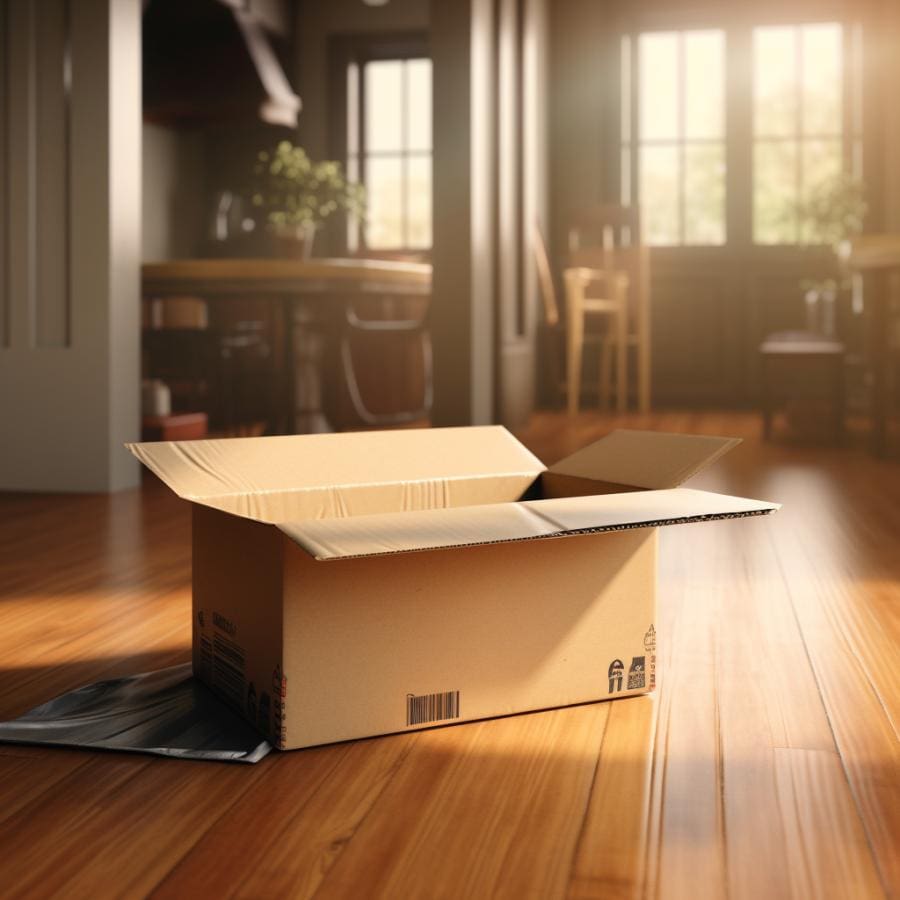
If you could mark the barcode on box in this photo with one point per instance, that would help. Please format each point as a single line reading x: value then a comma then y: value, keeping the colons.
x: 425, y: 708
x: 228, y: 669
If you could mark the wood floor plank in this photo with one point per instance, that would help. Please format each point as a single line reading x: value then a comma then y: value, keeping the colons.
x: 864, y: 734
x: 492, y: 810
x: 25, y: 776
x: 294, y: 822
x: 687, y: 784
x: 610, y: 860
x: 148, y: 814
x: 831, y: 860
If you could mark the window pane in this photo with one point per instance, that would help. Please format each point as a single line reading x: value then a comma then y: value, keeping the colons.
x: 418, y: 86
x: 353, y: 109
x: 419, y: 200
x: 659, y: 194
x: 774, y: 81
x: 821, y: 165
x: 704, y: 54
x: 774, y: 192
x: 822, y: 79
x: 704, y: 194
x: 384, y: 105
x: 659, y: 85
x: 625, y: 176
x: 384, y: 187
x: 625, y: 89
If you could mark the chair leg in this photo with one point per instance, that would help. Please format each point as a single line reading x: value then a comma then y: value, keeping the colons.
x: 622, y: 357
x: 839, y: 402
x: 767, y: 404
x: 574, y: 345
x: 606, y: 363
x: 643, y: 373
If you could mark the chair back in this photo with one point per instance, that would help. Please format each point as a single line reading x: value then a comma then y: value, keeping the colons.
x: 545, y: 277
x: 604, y: 226
x: 608, y: 238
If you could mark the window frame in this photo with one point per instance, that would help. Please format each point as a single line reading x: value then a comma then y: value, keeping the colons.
x: 739, y: 138
x: 346, y: 51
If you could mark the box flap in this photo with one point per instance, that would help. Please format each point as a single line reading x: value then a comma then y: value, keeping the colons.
x: 503, y: 522
x: 337, y: 475
x: 645, y: 459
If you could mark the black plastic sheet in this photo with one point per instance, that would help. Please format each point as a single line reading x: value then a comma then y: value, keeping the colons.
x: 166, y: 713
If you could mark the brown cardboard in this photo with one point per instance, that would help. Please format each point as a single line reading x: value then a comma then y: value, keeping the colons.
x: 358, y: 584
x: 274, y: 479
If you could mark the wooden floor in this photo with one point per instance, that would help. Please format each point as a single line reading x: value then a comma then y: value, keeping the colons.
x: 767, y: 765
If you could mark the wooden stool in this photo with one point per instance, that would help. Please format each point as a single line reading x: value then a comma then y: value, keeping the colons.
x: 806, y: 366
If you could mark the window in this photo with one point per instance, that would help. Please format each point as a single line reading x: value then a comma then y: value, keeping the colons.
x: 797, y: 124
x: 389, y: 149
x: 680, y: 141
x: 675, y: 143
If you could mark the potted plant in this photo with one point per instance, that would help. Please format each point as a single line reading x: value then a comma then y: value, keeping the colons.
x: 830, y: 214
x: 295, y: 195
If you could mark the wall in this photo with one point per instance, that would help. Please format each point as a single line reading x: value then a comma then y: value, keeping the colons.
x: 173, y: 187
x: 70, y: 239
x: 885, y: 43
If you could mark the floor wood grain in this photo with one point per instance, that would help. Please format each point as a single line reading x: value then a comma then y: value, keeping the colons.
x: 767, y: 764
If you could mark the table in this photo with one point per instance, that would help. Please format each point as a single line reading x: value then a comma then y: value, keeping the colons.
x: 288, y: 283
x: 792, y: 362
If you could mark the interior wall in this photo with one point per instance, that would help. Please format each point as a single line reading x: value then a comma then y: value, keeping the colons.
x: 173, y: 186
x: 886, y: 43
x: 578, y: 88
x: 69, y: 356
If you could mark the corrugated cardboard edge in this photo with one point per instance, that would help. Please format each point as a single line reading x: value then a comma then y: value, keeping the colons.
x: 392, y: 534
x: 557, y: 535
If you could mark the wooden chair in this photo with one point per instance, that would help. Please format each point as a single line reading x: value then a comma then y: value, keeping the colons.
x: 604, y: 245
x: 384, y: 351
x: 578, y: 308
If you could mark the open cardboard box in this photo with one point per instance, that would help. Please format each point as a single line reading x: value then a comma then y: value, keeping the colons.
x: 347, y: 585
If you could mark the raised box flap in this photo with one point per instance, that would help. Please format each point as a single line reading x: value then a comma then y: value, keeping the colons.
x: 644, y: 459
x: 340, y: 475
x: 504, y: 522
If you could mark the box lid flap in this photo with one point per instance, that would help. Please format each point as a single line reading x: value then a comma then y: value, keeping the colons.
x: 266, y: 468
x: 645, y: 459
x: 502, y: 522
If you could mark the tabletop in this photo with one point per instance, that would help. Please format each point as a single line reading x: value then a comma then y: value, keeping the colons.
x: 283, y: 276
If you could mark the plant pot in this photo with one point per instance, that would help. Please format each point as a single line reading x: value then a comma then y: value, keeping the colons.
x: 293, y: 241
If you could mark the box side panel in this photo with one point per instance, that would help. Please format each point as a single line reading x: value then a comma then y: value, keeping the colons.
x: 237, y: 613
x: 387, y: 644
x: 645, y: 459
x: 289, y: 466
x: 348, y: 501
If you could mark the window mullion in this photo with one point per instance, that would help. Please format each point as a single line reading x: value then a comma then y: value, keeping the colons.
x: 798, y: 126
x: 738, y: 136
x: 680, y: 138
x: 635, y: 129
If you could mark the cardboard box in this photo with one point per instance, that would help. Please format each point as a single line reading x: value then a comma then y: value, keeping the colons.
x: 348, y: 585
